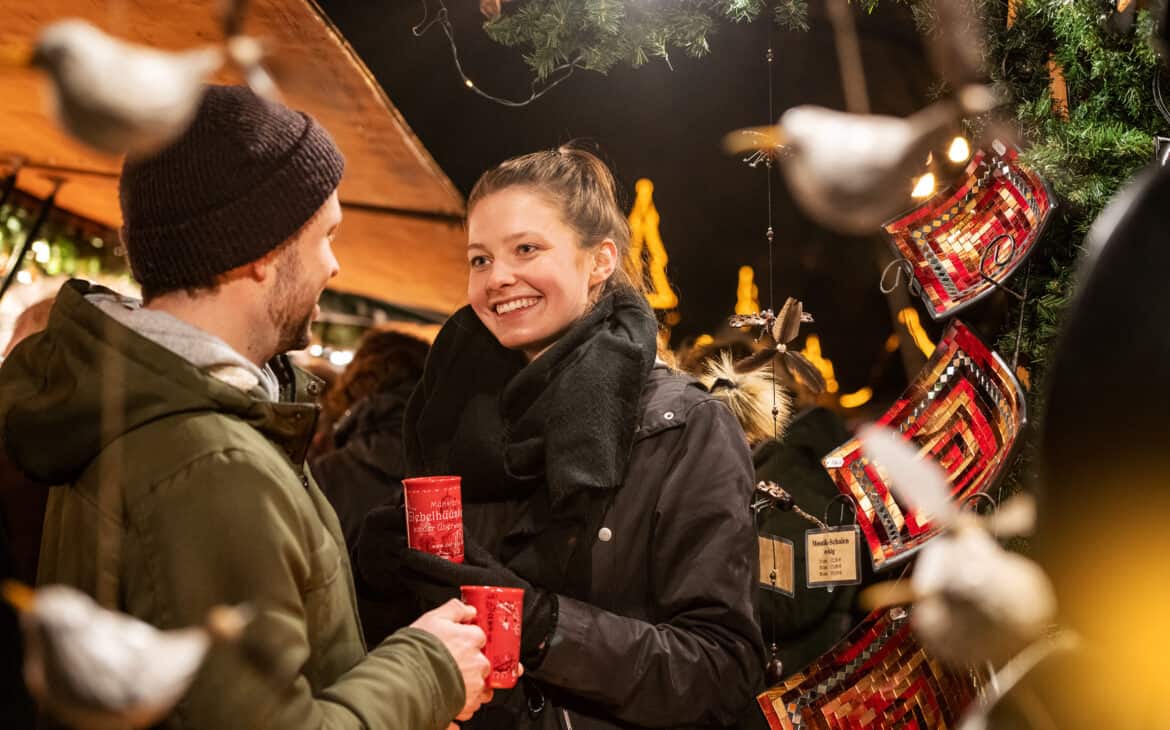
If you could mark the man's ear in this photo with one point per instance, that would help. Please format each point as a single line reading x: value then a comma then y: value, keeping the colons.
x: 605, y: 262
x: 262, y: 268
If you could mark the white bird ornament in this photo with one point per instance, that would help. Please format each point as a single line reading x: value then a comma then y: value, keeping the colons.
x: 850, y: 172
x: 974, y: 602
x: 94, y: 668
x: 123, y: 98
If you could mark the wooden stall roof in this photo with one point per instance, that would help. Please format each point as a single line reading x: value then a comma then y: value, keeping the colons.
x: 401, y: 240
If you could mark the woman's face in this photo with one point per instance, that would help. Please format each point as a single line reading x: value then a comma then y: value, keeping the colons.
x: 530, y: 280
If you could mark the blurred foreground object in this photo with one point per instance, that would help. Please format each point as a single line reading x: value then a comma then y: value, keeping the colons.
x: 974, y: 602
x: 123, y: 98
x: 91, y: 667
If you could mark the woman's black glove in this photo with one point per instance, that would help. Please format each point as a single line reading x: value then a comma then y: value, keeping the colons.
x: 387, y: 565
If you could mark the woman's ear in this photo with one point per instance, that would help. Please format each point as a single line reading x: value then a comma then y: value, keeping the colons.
x: 605, y: 262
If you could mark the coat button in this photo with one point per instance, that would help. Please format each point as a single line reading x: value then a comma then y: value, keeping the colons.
x: 669, y: 415
x: 605, y: 534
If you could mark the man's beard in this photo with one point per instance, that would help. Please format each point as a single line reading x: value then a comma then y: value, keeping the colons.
x: 292, y: 326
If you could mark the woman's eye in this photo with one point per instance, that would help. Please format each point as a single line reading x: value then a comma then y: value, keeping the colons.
x: 526, y: 248
x: 478, y: 262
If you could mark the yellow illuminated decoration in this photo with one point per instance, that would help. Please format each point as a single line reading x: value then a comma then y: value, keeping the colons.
x: 704, y: 341
x: 924, y: 186
x: 747, y: 294
x: 959, y: 150
x: 812, y: 350
x: 909, y: 319
x: 855, y: 400
x: 646, y: 244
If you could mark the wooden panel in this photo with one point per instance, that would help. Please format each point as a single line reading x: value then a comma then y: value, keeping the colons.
x: 386, y: 164
x: 410, y: 262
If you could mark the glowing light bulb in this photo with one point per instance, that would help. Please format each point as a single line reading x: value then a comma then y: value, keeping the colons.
x: 341, y: 358
x: 24, y: 277
x: 923, y: 186
x: 959, y: 150
x: 316, y: 350
x: 468, y: 83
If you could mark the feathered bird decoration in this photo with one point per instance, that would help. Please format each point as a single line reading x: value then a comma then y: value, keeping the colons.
x: 783, y: 328
x: 751, y: 396
x: 974, y: 602
x: 123, y: 98
x: 851, y: 172
x: 91, y: 667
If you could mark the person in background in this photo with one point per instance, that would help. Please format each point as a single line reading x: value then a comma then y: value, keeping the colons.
x: 175, y: 430
x: 22, y: 510
x: 363, y: 414
x: 612, y: 489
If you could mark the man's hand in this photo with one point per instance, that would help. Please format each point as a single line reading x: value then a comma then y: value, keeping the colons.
x: 450, y: 624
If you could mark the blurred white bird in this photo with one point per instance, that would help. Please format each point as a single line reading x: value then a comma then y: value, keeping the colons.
x: 118, y: 97
x: 851, y: 172
x: 91, y: 667
x: 123, y: 98
x: 974, y: 602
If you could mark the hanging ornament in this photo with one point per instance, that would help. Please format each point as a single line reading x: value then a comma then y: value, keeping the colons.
x: 966, y: 410
x: 850, y: 171
x: 974, y: 602
x: 91, y: 667
x: 783, y: 328
x: 123, y: 98
x: 965, y: 240
x: 878, y: 676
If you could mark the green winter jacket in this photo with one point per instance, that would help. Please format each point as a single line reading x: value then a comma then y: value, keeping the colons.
x: 211, y: 506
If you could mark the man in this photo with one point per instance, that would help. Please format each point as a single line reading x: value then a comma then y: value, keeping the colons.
x: 177, y: 431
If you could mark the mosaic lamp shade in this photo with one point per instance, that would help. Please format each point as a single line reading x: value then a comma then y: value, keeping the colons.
x: 969, y: 236
x: 966, y: 410
x: 878, y: 676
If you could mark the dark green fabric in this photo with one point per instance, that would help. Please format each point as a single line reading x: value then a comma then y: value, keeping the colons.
x: 212, y: 506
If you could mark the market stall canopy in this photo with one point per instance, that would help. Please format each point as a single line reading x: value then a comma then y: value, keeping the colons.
x: 401, y: 240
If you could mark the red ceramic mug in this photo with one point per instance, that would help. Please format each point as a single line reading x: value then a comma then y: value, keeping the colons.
x: 499, y: 612
x: 434, y: 516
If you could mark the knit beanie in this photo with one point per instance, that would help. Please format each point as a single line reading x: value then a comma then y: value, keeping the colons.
x: 244, y: 178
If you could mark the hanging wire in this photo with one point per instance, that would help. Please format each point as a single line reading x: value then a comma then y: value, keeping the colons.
x: 442, y: 18
x: 771, y: 236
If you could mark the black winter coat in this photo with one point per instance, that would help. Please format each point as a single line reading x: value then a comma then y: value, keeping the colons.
x: 366, y: 465
x: 657, y: 624
x: 665, y: 634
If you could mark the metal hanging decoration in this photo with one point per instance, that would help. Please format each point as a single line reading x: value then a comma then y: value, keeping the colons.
x: 966, y: 410
x: 966, y: 240
x: 877, y: 676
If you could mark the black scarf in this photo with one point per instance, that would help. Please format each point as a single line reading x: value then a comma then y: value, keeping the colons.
x: 565, y: 421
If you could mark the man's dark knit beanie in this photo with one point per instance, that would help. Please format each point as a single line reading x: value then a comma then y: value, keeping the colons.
x: 246, y: 176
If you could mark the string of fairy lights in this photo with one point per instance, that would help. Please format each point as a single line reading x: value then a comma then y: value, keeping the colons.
x: 539, y: 88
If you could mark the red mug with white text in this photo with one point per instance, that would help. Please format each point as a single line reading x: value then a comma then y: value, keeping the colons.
x: 434, y: 516
x: 499, y: 612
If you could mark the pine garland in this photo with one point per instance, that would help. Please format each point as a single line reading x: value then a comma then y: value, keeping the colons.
x: 598, y: 34
x: 1107, y: 138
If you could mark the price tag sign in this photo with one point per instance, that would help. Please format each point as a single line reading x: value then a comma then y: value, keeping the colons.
x: 776, y: 561
x: 833, y: 556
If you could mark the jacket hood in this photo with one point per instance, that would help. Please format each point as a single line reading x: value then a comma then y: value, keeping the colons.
x: 69, y: 391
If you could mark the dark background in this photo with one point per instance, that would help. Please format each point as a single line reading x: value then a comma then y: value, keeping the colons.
x: 665, y: 125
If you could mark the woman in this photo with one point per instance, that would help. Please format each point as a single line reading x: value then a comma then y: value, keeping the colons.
x: 613, y: 490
